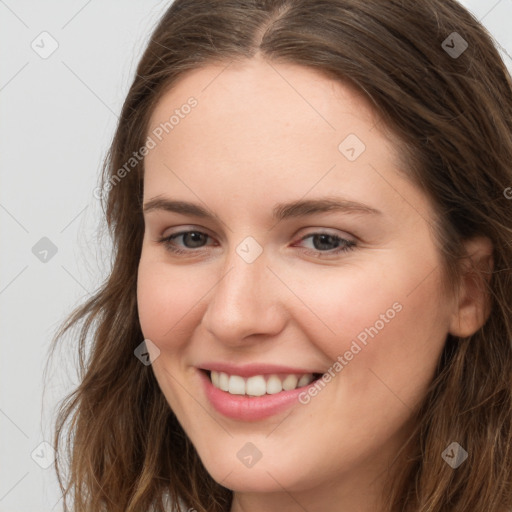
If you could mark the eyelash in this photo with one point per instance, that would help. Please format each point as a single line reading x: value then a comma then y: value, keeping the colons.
x: 349, y: 245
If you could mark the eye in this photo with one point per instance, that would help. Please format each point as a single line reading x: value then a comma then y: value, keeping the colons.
x: 324, y: 244
x: 191, y: 239
x: 328, y: 244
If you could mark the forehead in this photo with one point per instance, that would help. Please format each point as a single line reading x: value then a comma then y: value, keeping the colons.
x: 264, y: 126
x: 257, y: 92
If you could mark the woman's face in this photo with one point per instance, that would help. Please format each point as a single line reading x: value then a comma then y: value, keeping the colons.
x: 274, y: 286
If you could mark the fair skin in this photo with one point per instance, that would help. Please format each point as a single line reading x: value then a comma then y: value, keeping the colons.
x: 260, y: 135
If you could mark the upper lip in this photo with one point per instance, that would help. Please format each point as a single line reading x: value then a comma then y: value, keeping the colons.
x: 251, y: 369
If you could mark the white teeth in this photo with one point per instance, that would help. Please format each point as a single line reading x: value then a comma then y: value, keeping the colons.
x: 274, y: 385
x: 215, y: 379
x: 236, y: 385
x: 255, y: 386
x: 305, y: 380
x: 258, y: 385
x: 290, y: 382
x: 223, y: 381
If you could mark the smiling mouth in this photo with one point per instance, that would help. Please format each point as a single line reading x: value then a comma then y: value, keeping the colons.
x: 259, y: 385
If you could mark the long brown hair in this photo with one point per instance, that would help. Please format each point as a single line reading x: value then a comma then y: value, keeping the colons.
x: 451, y: 115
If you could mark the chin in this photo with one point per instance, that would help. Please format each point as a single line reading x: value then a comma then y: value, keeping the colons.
x: 247, y: 479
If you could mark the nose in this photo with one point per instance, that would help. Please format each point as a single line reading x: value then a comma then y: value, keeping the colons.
x: 246, y: 301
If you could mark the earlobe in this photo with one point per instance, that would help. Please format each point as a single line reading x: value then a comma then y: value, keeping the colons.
x: 472, y: 307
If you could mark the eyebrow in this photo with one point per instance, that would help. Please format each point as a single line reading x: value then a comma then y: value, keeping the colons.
x: 281, y: 211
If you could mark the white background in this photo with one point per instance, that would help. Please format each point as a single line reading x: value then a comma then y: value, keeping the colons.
x: 57, y: 118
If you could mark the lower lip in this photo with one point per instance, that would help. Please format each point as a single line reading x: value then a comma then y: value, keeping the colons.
x: 246, y: 408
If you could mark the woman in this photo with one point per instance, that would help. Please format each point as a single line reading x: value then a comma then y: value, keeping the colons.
x: 309, y: 303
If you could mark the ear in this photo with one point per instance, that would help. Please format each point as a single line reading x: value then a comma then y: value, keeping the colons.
x: 472, y: 307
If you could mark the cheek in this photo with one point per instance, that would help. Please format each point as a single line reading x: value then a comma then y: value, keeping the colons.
x: 166, y: 301
x: 387, y: 322
x: 388, y: 335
